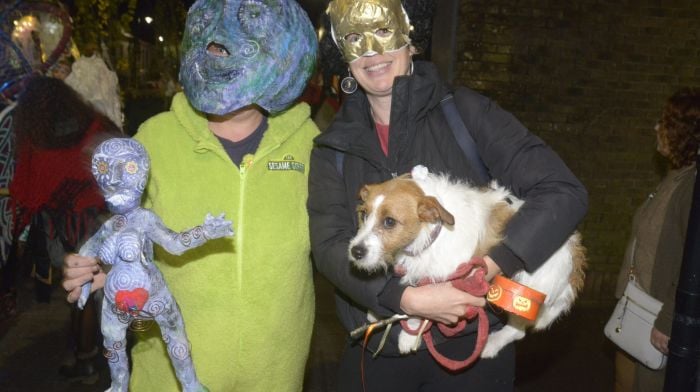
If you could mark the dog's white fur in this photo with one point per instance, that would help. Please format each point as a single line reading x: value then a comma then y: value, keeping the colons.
x: 408, y: 244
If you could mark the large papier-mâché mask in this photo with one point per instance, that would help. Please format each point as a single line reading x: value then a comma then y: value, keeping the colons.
x: 120, y: 167
x: 368, y: 27
x: 267, y: 52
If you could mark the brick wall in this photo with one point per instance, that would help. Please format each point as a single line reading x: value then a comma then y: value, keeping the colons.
x: 590, y: 77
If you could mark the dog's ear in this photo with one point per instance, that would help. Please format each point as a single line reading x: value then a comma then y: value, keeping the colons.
x: 430, y: 210
x: 363, y: 193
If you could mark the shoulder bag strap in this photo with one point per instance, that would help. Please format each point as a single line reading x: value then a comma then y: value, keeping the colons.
x: 464, y: 138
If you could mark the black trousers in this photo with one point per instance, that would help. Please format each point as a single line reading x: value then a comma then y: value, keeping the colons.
x: 419, y: 372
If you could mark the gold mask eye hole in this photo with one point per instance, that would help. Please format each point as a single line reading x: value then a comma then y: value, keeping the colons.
x: 383, y: 33
x: 353, y: 38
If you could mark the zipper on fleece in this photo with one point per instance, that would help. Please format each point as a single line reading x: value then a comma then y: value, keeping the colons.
x: 246, y: 163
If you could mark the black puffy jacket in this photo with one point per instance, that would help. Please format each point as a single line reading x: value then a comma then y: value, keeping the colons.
x: 555, y: 200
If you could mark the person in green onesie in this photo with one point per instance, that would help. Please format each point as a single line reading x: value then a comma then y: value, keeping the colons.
x: 235, y: 142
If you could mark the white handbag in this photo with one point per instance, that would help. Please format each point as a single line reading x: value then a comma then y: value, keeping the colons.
x: 631, y: 322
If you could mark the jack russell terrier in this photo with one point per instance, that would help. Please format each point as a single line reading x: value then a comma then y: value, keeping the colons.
x: 426, y: 225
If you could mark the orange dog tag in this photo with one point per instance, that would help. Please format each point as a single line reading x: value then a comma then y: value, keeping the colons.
x: 514, y: 297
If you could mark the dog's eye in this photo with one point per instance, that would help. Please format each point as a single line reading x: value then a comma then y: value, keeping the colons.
x: 389, y: 222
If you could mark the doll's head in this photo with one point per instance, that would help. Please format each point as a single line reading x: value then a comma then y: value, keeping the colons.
x: 120, y: 167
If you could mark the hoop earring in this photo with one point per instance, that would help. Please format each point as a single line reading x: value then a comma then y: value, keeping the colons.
x: 348, y: 84
x: 410, y: 70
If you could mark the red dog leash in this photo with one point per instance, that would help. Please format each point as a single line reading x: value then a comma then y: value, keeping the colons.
x: 470, y: 278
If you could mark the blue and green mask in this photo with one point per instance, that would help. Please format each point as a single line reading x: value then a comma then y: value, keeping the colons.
x: 241, y: 52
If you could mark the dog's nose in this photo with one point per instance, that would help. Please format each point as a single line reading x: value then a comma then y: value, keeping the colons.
x: 358, y: 252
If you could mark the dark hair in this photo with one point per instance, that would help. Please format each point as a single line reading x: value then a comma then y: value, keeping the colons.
x: 680, y: 126
x: 50, y: 114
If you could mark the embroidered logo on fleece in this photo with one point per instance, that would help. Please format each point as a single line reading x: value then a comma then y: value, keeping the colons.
x: 288, y: 163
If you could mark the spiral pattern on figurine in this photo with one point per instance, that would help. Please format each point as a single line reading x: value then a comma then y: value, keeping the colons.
x: 129, y: 247
x: 111, y: 353
x: 179, y: 350
x: 122, y: 280
x: 119, y: 222
x: 198, y: 232
x: 186, y: 239
x: 111, y: 356
x: 155, y: 307
x: 108, y: 252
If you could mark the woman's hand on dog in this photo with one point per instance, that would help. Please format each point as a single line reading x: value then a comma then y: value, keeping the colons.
x: 439, y: 302
x: 78, y: 270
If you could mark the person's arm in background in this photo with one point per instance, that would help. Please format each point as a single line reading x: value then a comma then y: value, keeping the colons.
x: 669, y: 257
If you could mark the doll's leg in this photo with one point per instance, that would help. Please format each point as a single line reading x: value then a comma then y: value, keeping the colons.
x: 114, y: 334
x: 172, y: 327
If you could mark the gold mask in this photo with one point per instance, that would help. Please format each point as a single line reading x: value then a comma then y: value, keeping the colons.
x: 368, y: 27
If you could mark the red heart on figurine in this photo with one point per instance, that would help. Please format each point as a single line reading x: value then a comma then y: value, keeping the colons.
x: 131, y: 301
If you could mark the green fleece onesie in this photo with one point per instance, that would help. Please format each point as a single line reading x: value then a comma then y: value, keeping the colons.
x: 247, y: 301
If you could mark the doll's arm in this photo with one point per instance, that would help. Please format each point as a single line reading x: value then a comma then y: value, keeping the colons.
x: 178, y: 243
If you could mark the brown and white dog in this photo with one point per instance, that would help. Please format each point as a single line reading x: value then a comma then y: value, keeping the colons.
x: 427, y: 225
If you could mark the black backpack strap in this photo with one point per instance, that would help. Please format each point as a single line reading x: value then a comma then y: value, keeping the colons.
x: 461, y: 134
x: 464, y: 138
x: 339, y: 158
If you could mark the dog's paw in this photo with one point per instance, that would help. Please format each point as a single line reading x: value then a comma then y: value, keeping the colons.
x: 406, y: 342
x: 491, y: 348
x: 499, y: 339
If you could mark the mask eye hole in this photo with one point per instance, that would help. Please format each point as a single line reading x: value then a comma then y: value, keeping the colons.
x: 383, y: 33
x: 353, y: 38
x: 218, y: 50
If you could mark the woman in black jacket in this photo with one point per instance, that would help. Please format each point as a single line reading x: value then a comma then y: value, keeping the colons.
x: 392, y: 123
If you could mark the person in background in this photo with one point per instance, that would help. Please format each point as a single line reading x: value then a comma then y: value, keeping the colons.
x: 97, y: 84
x: 52, y: 188
x: 391, y: 121
x: 234, y: 142
x: 658, y: 232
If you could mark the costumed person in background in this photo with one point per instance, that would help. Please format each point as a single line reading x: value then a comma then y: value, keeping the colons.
x: 233, y: 142
x: 393, y: 122
x: 658, y: 232
x: 97, y: 83
x: 53, y: 188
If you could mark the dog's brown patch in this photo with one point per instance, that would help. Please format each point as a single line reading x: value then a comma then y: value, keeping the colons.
x: 499, y: 216
x: 578, y: 253
x: 430, y: 210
